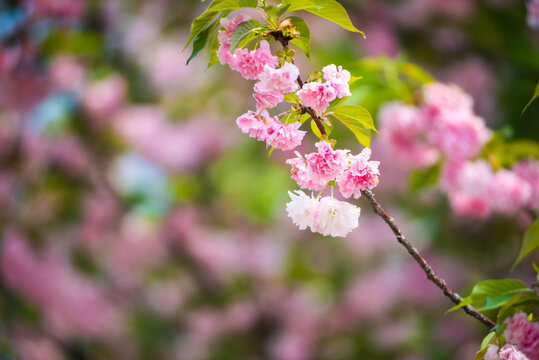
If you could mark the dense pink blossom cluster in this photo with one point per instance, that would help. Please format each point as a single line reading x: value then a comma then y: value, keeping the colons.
x: 326, y: 215
x: 507, y: 352
x: 314, y: 171
x: 523, y: 334
x: 352, y: 173
x: 270, y: 129
x: 318, y: 95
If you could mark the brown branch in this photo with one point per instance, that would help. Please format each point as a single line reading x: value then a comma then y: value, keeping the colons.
x: 440, y: 283
x: 453, y: 296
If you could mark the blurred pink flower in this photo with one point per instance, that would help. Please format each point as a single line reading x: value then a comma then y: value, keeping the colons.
x: 533, y: 14
x: 67, y: 73
x: 528, y: 170
x: 67, y: 10
x: 467, y: 186
x: 176, y: 147
x: 508, y: 193
x: 507, y: 352
x: 71, y: 302
x: 402, y: 129
x: 104, y: 97
x: 523, y: 334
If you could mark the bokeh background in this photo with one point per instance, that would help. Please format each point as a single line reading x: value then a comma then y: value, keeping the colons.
x: 138, y: 223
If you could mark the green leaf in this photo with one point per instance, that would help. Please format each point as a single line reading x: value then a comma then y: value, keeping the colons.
x: 201, y: 40
x: 214, y: 47
x: 536, y: 268
x: 525, y: 302
x: 489, y: 339
x: 242, y: 31
x: 495, y: 302
x: 316, y: 130
x: 199, y: 24
x: 530, y: 242
x: 535, y: 96
x: 291, y: 98
x: 304, y: 41
x: 420, y: 179
x: 490, y: 289
x: 331, y: 10
x: 358, y: 120
x: 416, y: 73
x: 220, y: 5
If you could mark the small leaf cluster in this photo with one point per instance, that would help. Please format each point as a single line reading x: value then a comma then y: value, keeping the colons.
x: 275, y: 20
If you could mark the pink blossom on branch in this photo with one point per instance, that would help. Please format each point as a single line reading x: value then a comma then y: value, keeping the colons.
x: 362, y: 174
x: 338, y: 78
x: 327, y: 216
x: 317, y: 95
x: 327, y: 163
x: 507, y: 352
x: 251, y: 63
x: 523, y: 334
x: 283, y: 80
x: 301, y: 173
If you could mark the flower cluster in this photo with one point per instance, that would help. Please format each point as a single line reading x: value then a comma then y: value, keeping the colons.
x: 318, y: 95
x: 524, y: 335
x: 507, y: 352
x: 315, y: 171
x: 326, y: 215
x: 265, y: 128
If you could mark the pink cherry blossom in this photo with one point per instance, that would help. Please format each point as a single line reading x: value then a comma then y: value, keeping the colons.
x: 362, y: 174
x: 523, y: 334
x: 402, y: 129
x: 224, y: 36
x: 327, y: 163
x: 528, y: 170
x: 250, y: 123
x: 284, y: 137
x: 335, y: 218
x: 338, y: 78
x: 301, y: 173
x: 266, y: 98
x: 302, y: 209
x: 104, y: 97
x: 507, y: 352
x: 507, y: 192
x: 317, y: 95
x: 251, y: 63
x: 280, y: 81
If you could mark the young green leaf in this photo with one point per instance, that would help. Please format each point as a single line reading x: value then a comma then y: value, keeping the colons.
x: 199, y: 24
x: 331, y: 10
x: 201, y: 40
x: 358, y: 120
x: 220, y: 5
x: 241, y: 32
x: 535, y: 96
x: 316, y: 130
x: 491, y: 289
x: 304, y: 41
x: 530, y: 241
x: 489, y: 339
x: 214, y: 59
x: 526, y: 302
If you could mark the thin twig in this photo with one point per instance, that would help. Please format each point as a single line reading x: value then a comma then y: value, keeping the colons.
x: 453, y: 296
